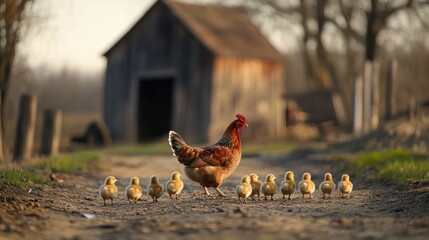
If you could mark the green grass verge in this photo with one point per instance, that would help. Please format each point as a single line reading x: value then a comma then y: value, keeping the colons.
x: 156, y: 148
x: 396, y: 165
x: 21, y: 177
x: 63, y: 163
x: 71, y: 162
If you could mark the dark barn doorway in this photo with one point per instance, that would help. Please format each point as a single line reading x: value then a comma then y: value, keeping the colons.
x: 154, y: 108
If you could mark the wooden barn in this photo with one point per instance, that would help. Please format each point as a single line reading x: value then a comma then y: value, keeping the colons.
x: 191, y: 68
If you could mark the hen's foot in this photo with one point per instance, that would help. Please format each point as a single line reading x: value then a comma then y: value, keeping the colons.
x: 220, y: 193
x: 207, y: 193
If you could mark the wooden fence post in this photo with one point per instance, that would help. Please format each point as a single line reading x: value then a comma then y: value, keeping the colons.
x: 375, y: 96
x: 390, y: 89
x: 24, y: 135
x: 411, y: 109
x: 51, y: 134
x: 366, y: 116
x: 358, y: 104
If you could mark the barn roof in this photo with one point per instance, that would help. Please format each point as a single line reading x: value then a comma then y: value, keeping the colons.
x: 223, y: 30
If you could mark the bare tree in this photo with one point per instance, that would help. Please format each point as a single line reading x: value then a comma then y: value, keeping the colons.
x: 12, y: 16
x: 357, y: 24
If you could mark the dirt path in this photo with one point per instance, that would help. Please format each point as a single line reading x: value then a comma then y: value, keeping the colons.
x: 373, y: 212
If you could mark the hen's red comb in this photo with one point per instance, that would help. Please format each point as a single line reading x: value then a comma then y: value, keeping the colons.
x: 241, y: 117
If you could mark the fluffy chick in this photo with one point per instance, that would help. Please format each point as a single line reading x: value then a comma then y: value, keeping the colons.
x: 306, y: 186
x: 269, y: 187
x: 154, y: 189
x: 244, y: 189
x: 174, y: 186
x: 327, y: 186
x: 256, y: 186
x: 345, y: 186
x: 109, y: 190
x: 133, y: 192
x: 288, y: 185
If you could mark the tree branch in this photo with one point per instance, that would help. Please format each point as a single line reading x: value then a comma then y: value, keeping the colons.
x: 353, y: 33
x: 285, y: 10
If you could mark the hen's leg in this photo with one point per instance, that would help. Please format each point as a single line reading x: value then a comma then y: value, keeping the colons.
x: 220, y: 193
x: 206, y: 192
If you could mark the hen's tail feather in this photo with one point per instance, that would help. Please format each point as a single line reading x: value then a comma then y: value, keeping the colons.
x: 176, y: 142
x: 184, y: 153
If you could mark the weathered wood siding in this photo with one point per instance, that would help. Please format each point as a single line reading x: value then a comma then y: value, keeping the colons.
x: 253, y: 87
x: 116, y: 92
x: 159, y: 46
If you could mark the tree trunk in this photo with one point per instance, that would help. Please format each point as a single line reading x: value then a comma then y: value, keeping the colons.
x: 310, y: 73
x: 327, y: 69
x: 371, y: 31
x: 2, y: 152
x: 5, y: 74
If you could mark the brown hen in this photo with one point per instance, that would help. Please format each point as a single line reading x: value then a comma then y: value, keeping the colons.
x: 210, y: 166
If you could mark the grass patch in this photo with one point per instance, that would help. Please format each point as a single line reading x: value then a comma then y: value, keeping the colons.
x: 71, y: 162
x: 157, y: 148
x: 20, y: 177
x: 396, y: 165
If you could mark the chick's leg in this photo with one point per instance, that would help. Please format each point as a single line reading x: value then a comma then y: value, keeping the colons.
x: 104, y: 202
x: 220, y: 193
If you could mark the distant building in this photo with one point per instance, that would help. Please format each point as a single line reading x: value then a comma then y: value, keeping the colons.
x: 191, y: 68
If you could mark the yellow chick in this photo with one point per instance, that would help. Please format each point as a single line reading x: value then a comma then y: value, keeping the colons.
x: 109, y: 190
x: 288, y: 185
x: 174, y: 185
x: 269, y: 187
x: 244, y: 189
x: 133, y: 191
x: 256, y: 186
x: 345, y: 186
x: 306, y: 186
x: 327, y: 186
x: 154, y: 189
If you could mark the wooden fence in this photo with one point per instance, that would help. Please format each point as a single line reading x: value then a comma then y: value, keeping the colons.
x: 25, y: 128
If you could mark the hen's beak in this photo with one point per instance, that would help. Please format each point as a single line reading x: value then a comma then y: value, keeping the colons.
x: 247, y: 125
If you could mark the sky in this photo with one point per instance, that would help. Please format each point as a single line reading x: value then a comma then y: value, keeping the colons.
x: 75, y: 33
